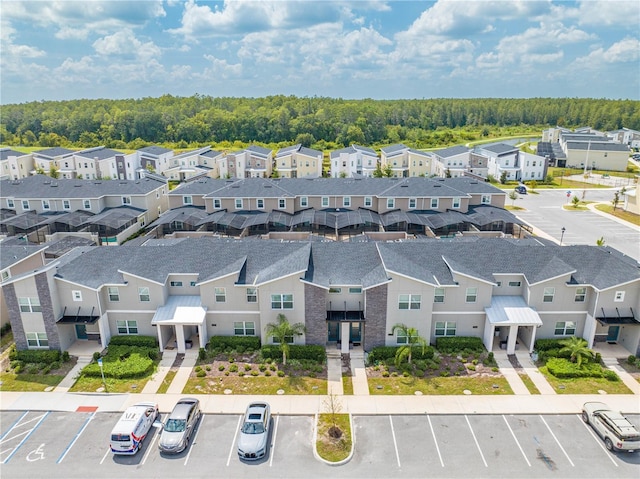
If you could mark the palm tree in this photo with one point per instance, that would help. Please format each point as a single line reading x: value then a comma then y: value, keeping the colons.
x: 413, y: 339
x: 578, y: 349
x: 282, y: 331
x: 600, y: 241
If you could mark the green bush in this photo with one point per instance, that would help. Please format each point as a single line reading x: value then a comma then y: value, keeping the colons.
x: 246, y: 343
x: 298, y: 352
x: 233, y: 368
x: 632, y: 359
x: 202, y: 354
x: 65, y: 356
x: 134, y: 365
x: 563, y: 368
x: 122, y: 352
x: 134, y: 340
x: 456, y: 344
x: 201, y: 373
x: 96, y: 355
x: 545, y: 344
x: 16, y: 363
x: 5, y: 328
x: 610, y: 375
x: 38, y: 356
x: 383, y: 353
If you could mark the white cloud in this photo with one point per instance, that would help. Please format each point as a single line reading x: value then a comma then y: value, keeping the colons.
x: 625, y: 51
x: 125, y: 44
x: 602, y: 13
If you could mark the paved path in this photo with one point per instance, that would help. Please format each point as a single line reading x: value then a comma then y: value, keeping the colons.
x: 536, y: 376
x: 359, y: 374
x: 168, y: 358
x: 72, y: 375
x: 184, y: 371
x: 334, y: 372
x: 509, y: 373
x: 630, y: 382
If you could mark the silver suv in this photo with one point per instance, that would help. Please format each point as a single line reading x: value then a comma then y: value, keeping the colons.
x: 180, y: 425
x: 618, y: 433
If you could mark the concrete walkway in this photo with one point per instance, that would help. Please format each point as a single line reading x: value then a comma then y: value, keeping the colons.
x: 168, y: 358
x: 72, y: 375
x: 536, y: 376
x: 184, y: 371
x: 334, y: 372
x: 627, y: 379
x: 509, y: 373
x: 359, y: 373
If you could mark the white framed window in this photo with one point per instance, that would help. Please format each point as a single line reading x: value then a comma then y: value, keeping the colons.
x: 486, y: 199
x: 282, y: 301
x: 126, y: 200
x: 619, y: 296
x: 565, y: 328
x: 175, y: 284
x: 547, y: 296
x: 471, y: 295
x: 113, y: 294
x: 304, y: 201
x: 581, y: 294
x: 325, y: 201
x: 66, y: 205
x: 46, y: 205
x: 127, y: 327
x: 221, y: 295
x: 346, y: 201
x: 238, y: 203
x: 456, y: 203
x: 445, y: 328
x: 515, y: 284
x: 10, y: 203
x: 252, y: 295
x: 355, y: 290
x: 260, y: 203
x: 409, y: 301
x: 76, y: 295
x: 335, y: 290
x: 244, y: 328
x: 413, y: 203
x: 391, y: 203
x: 30, y: 305
x: 434, y: 202
x: 86, y: 204
x: 282, y: 203
x: 217, y: 204
x: 368, y: 201
x: 37, y: 340
x: 5, y: 275
x: 288, y: 340
x: 25, y: 204
x: 401, y: 337
x: 187, y: 200
x: 438, y: 295
x: 143, y: 294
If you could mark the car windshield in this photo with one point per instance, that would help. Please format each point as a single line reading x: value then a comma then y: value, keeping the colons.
x: 175, y: 425
x: 253, y: 428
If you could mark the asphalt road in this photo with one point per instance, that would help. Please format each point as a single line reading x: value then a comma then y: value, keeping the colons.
x: 75, y: 445
x: 545, y: 212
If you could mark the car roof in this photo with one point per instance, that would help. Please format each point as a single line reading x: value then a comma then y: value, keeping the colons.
x: 256, y: 411
x: 181, y: 410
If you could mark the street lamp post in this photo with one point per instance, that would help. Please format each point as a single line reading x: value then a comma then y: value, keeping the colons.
x: 562, y: 234
x: 104, y: 383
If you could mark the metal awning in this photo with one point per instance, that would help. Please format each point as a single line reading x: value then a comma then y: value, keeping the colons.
x: 79, y: 317
x: 511, y: 310
x: 345, y: 316
x: 615, y: 319
x: 181, y: 310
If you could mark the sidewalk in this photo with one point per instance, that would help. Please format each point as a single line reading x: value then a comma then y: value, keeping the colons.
x: 184, y: 371
x: 168, y: 358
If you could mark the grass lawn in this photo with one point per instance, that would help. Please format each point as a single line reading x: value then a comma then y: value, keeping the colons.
x: 86, y: 384
x: 529, y: 383
x: 166, y: 382
x: 255, y: 385
x: 446, y: 386
x: 333, y: 449
x: 584, y: 385
x: 619, y: 213
x: 28, y: 382
x: 570, y: 207
x: 513, y: 208
x: 6, y: 340
x: 347, y: 385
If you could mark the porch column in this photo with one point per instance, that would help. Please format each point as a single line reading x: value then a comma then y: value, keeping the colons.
x: 511, y: 342
x: 180, y: 339
x: 202, y: 331
x: 159, y: 329
x: 533, y: 338
x: 345, y: 336
x: 105, y: 334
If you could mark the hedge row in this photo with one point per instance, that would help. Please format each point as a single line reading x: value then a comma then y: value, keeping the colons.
x: 545, y: 344
x: 37, y: 356
x: 383, y: 353
x: 134, y: 365
x: 456, y: 344
x: 235, y: 342
x: 547, y: 354
x: 563, y: 369
x: 311, y: 352
x: 134, y: 340
x: 122, y: 352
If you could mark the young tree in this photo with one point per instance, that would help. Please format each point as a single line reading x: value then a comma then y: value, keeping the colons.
x: 615, y: 200
x: 578, y: 350
x: 533, y: 184
x: 282, y: 332
x: 377, y: 173
x: 513, y: 196
x: 54, y: 172
x: 600, y: 241
x: 575, y: 200
x: 413, y: 339
x: 447, y: 173
x: 387, y: 172
x: 503, y: 178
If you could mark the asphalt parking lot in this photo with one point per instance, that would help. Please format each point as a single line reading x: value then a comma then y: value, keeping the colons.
x: 75, y: 445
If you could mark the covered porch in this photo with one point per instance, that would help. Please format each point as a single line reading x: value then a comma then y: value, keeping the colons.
x: 511, y: 321
x: 179, y: 318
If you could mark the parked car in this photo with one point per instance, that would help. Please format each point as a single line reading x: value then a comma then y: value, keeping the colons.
x: 179, y: 426
x: 132, y: 427
x: 254, y: 434
x: 618, y: 433
x: 521, y: 189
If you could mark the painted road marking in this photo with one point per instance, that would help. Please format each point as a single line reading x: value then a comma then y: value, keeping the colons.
x: 84, y: 426
x: 476, y: 441
x: 558, y: 442
x: 395, y: 443
x: 609, y: 455
x: 273, y: 441
x: 193, y: 440
x: 36, y: 454
x: 433, y: 433
x: 234, y: 440
x: 41, y: 418
x: 516, y: 439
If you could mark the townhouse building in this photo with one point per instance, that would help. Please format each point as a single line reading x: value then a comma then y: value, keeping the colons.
x: 625, y: 136
x: 453, y: 161
x: 59, y: 158
x: 517, y: 165
x: 14, y: 164
x: 298, y: 161
x: 507, y: 292
x: 193, y: 164
x: 154, y: 158
x: 352, y: 161
x: 406, y: 162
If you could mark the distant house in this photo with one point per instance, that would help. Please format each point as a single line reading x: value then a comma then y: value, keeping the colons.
x: 626, y: 136
x: 406, y: 162
x: 298, y: 161
x: 353, y: 161
x: 15, y: 164
x: 452, y: 161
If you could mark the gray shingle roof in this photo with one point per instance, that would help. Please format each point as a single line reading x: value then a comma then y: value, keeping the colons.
x: 201, y: 186
x: 499, y: 148
x: 603, y: 146
x: 259, y: 150
x: 99, y: 153
x: 352, y: 150
x: 5, y: 153
x: 52, y: 152
x: 155, y: 150
x: 452, y: 151
x: 10, y: 255
x: 394, y: 149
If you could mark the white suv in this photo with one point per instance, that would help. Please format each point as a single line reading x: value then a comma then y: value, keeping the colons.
x: 618, y: 433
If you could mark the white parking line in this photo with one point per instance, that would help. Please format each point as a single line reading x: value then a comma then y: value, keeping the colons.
x: 149, y: 449
x: 476, y: 440
x: 193, y: 441
x: 273, y: 441
x: 15, y: 449
x: 395, y: 443
x: 435, y: 441
x: 609, y: 455
x: 75, y: 439
x: 516, y: 439
x: 233, y: 444
x: 558, y: 442
x: 13, y: 425
x: 106, y: 454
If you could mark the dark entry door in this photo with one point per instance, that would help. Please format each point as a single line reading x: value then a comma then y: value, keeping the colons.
x: 612, y: 334
x: 81, y: 331
x: 355, y: 333
x: 333, y: 331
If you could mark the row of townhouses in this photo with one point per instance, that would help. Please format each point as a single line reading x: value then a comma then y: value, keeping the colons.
x: 507, y: 292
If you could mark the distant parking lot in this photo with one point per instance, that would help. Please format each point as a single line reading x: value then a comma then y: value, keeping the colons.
x: 61, y: 444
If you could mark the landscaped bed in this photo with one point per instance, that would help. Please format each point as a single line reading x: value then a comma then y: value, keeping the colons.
x: 584, y: 385
x: 632, y: 366
x: 34, y: 370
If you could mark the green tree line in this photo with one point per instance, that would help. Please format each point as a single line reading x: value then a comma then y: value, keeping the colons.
x: 318, y: 122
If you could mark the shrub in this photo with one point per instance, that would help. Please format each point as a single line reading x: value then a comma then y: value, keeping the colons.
x: 201, y: 373
x: 311, y: 352
x: 202, y: 354
x: 610, y: 375
x: 16, y: 363
x: 207, y: 367
x: 384, y: 353
x: 134, y: 340
x: 221, y: 367
x: 233, y: 368
x: 248, y: 343
x: 122, y: 352
x: 197, y: 369
x: 247, y: 367
x: 240, y: 373
x: 456, y: 344
x: 5, y: 328
x: 65, y: 356
x: 280, y: 374
x: 563, y: 368
x: 255, y: 372
x: 56, y: 365
x: 545, y: 344
x: 385, y: 374
x: 97, y: 355
x: 262, y: 367
x: 226, y: 373
x: 631, y: 359
x: 273, y: 367
x: 267, y: 373
x: 37, y: 356
x: 134, y: 365
x: 471, y: 367
x: 46, y: 369
x: 17, y: 369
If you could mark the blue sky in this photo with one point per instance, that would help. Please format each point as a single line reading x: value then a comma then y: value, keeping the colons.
x: 59, y: 50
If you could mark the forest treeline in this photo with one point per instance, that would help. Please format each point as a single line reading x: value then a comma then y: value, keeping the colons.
x: 319, y: 122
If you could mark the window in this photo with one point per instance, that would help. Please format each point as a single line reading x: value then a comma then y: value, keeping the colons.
x: 515, y: 284
x: 565, y: 328
x: 368, y: 201
x: 355, y: 290
x: 252, y: 295
x: 29, y: 305
x: 175, y: 284
x: 126, y: 200
x: 238, y: 203
x: 143, y: 294
x: 413, y: 202
x: 346, y: 201
x: 260, y: 203
x: 438, y: 295
x: 304, y: 201
x: 187, y: 200
x: 486, y: 199
x: 217, y: 204
x: 77, y: 295
x: 5, y: 275
x: 335, y: 290
x: 456, y: 203
x: 498, y: 283
x: 10, y: 203
x: 244, y: 328
x: 46, y: 205
x: 325, y: 201
x: 409, y: 301
x: 282, y: 203
x: 472, y: 295
x: 192, y: 284
x: 391, y: 203
x: 221, y: 295
x: 581, y: 294
x: 547, y: 297
x: 114, y: 294
x: 434, y: 202
x: 401, y: 337
x: 619, y: 296
x: 66, y: 205
x: 288, y: 339
x: 445, y: 328
x: 25, y: 204
x: 86, y: 204
x: 37, y: 340
x: 127, y: 327
x: 282, y: 301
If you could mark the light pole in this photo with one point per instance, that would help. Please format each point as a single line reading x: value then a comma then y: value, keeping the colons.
x: 562, y: 234
x: 104, y: 384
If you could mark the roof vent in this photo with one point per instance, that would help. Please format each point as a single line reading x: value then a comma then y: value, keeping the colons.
x: 404, y: 185
x: 54, y: 185
x: 437, y: 186
x: 77, y: 186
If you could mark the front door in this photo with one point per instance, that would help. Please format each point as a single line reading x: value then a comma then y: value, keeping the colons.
x: 81, y: 331
x: 356, y: 332
x: 333, y: 331
x: 612, y: 334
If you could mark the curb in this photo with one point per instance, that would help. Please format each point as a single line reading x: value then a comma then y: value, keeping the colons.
x: 315, y: 443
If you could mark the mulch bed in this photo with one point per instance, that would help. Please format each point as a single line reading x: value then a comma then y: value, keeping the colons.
x: 224, y: 361
x: 449, y: 366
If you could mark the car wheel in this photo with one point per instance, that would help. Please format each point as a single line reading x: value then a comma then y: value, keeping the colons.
x: 585, y: 417
x: 608, y: 443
